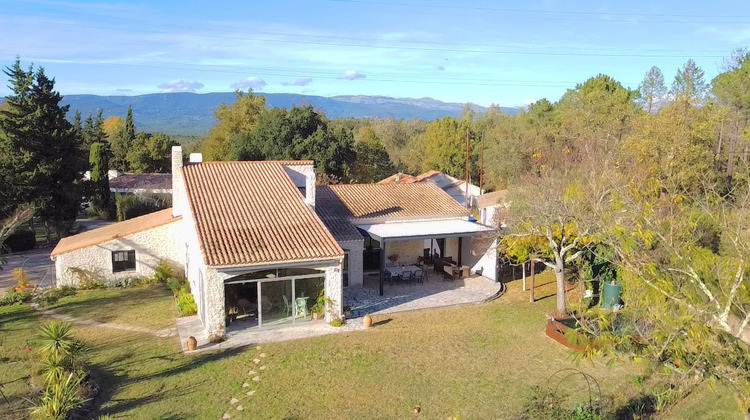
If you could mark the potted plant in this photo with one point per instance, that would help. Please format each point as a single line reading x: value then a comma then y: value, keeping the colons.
x: 321, y: 305
x: 393, y: 258
x: 367, y: 321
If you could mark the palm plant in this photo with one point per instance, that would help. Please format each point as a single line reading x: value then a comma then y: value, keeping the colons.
x: 58, y: 341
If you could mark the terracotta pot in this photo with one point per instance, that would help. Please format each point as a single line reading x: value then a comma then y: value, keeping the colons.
x: 367, y: 321
x: 316, y: 316
x: 192, y: 343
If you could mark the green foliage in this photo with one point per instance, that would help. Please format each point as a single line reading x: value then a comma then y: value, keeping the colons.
x: 181, y: 289
x: 51, y: 295
x: 42, y: 158
x: 233, y: 120
x: 336, y: 322
x: 129, y: 206
x: 21, y: 240
x: 163, y: 272
x: 99, y: 161
x: 297, y: 133
x: 88, y: 279
x: 15, y: 298
x: 59, y: 398
x: 150, y: 153
x: 443, y: 147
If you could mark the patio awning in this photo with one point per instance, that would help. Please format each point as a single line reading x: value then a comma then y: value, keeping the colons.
x: 407, y: 231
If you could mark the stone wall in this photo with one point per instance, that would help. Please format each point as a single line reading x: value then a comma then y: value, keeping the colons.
x: 151, y: 246
x: 408, y: 251
x: 355, y: 250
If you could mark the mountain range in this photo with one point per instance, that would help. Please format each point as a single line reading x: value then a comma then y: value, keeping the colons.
x: 192, y: 113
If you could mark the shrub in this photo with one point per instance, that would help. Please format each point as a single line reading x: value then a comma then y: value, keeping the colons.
x: 163, y: 272
x: 22, y: 240
x: 88, y: 279
x: 543, y: 403
x: 52, y: 295
x: 14, y: 298
x: 336, y: 322
x: 129, y: 206
x: 60, y: 398
x: 186, y: 303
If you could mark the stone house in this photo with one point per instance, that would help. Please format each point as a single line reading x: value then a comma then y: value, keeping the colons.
x: 260, y: 244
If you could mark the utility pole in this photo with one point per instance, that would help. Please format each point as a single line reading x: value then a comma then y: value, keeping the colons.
x: 466, y: 186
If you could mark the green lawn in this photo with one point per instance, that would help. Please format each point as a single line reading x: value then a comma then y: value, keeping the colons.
x: 150, y: 306
x: 472, y: 361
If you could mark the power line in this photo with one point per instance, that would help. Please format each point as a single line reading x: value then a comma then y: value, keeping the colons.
x: 536, y: 11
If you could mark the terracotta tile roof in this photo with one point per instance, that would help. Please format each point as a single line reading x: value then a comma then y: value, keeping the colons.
x: 402, y: 179
x: 114, y: 231
x: 250, y: 213
x: 492, y: 199
x: 291, y: 162
x: 141, y: 182
x: 392, y: 201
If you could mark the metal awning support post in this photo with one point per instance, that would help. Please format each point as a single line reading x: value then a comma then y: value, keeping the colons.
x: 382, y: 264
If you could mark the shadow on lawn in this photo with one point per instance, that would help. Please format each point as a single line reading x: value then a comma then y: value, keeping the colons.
x: 118, y: 303
x: 110, y: 380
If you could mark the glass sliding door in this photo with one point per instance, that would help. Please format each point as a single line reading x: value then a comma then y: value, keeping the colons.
x: 306, y: 292
x: 276, y: 302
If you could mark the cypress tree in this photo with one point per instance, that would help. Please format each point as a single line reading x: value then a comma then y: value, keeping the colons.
x: 129, y: 127
x: 99, y: 161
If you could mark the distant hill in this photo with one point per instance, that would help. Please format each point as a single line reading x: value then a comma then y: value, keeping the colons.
x: 192, y: 113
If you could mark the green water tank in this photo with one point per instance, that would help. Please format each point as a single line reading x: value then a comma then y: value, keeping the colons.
x: 611, y: 295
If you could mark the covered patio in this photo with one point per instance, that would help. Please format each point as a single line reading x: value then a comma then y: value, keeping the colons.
x: 432, y: 251
x: 434, y: 293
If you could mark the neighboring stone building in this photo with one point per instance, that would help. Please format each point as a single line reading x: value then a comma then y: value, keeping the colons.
x: 128, y: 249
x: 455, y: 187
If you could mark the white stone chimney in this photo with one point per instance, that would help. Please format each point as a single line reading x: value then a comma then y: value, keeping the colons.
x: 196, y: 158
x: 179, y: 199
x: 303, y: 177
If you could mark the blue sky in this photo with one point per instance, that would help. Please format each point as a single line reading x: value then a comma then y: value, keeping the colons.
x: 503, y: 52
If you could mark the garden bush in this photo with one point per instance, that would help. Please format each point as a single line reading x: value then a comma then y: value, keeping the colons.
x: 129, y: 206
x: 22, y: 240
x: 186, y: 303
x: 52, y: 295
x: 88, y: 279
x: 14, y: 298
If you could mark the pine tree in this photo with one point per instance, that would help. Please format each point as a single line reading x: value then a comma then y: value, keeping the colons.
x: 689, y: 85
x: 16, y: 163
x: 652, y: 90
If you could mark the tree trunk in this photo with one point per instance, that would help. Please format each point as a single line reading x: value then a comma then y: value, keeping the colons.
x: 47, y: 232
x: 523, y: 271
x: 533, y: 282
x: 560, y: 277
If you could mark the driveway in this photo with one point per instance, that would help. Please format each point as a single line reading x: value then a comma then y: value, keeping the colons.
x: 40, y: 269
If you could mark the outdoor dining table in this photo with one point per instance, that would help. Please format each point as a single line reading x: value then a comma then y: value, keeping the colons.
x: 395, y: 271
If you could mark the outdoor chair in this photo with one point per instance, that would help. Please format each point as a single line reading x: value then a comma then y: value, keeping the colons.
x: 417, y: 276
x: 387, y: 278
x: 289, y: 309
x: 398, y: 278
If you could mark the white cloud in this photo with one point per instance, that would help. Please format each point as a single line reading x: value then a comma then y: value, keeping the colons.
x: 439, y: 68
x: 123, y: 90
x: 302, y: 81
x: 352, y: 75
x: 249, y: 83
x: 180, y: 85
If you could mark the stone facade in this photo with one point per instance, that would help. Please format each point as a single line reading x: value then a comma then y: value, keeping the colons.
x: 355, y: 250
x: 151, y: 246
x: 407, y: 251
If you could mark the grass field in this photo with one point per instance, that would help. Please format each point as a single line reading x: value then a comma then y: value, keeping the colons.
x: 475, y: 361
